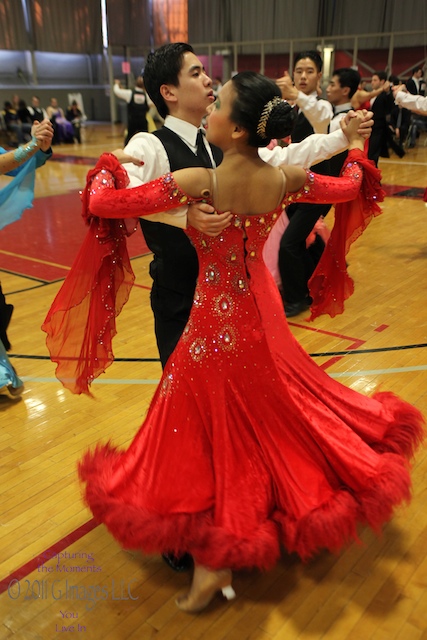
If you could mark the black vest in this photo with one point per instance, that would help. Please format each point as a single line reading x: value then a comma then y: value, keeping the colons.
x: 175, y: 265
x: 38, y: 114
x: 137, y: 111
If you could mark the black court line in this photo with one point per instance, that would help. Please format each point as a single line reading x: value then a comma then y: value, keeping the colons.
x: 322, y: 354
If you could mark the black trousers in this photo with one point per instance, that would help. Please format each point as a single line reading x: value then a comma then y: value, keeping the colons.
x: 171, y: 312
x: 296, y: 263
x: 135, y: 127
x: 378, y: 144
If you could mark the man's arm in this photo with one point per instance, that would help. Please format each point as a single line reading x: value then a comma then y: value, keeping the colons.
x: 315, y: 148
x: 123, y: 94
x: 319, y: 113
x: 318, y: 146
x: 409, y: 100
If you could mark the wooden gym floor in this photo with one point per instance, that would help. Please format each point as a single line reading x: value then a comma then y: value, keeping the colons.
x: 60, y: 572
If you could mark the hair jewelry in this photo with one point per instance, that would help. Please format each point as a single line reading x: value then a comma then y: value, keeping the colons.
x: 262, y: 123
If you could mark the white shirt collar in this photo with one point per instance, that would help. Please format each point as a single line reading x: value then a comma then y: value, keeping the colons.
x: 342, y: 107
x: 185, y: 130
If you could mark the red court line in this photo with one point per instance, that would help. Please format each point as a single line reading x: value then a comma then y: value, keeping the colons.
x: 141, y: 286
x: 43, y: 557
x: 355, y: 343
x: 51, y: 233
x: 381, y: 328
x: 405, y: 191
x: 329, y: 333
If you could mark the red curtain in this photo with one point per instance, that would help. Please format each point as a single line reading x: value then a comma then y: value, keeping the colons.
x: 170, y: 21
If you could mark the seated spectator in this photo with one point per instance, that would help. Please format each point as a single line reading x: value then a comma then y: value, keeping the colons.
x: 23, y: 113
x: 63, y: 130
x: 76, y: 117
x: 13, y: 124
x: 36, y: 111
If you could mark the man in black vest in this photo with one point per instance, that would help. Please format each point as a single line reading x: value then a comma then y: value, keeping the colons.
x: 179, y: 87
x: 36, y: 111
x: 295, y: 264
x: 381, y: 107
x: 137, y: 106
x: 340, y: 90
x: 181, y: 91
x: 416, y: 85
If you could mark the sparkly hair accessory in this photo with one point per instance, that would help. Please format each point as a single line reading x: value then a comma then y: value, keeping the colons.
x: 262, y: 122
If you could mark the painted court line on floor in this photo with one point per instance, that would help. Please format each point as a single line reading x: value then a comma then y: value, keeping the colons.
x: 345, y: 374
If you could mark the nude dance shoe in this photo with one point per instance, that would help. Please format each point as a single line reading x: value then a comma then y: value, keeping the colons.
x: 206, y: 584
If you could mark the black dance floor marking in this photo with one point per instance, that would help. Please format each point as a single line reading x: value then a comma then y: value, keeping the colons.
x: 323, y: 354
x: 413, y: 192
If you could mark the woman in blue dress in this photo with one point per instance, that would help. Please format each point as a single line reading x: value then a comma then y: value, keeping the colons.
x: 15, y: 197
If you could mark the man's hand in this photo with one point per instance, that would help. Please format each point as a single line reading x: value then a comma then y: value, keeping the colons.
x: 354, y: 127
x: 202, y: 217
x: 365, y: 122
x: 43, y: 133
x: 399, y: 87
x: 286, y: 86
x: 123, y: 157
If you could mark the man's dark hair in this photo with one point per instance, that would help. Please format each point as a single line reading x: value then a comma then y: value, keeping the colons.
x: 348, y: 77
x: 313, y: 55
x: 415, y: 69
x: 381, y: 74
x: 163, y: 67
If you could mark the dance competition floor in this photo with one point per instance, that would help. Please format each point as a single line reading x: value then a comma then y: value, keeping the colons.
x: 61, y: 573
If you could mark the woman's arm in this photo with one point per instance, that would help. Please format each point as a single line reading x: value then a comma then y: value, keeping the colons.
x: 319, y: 189
x: 162, y: 194
x: 306, y: 186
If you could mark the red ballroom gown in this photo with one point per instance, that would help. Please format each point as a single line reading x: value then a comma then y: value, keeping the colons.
x: 247, y: 445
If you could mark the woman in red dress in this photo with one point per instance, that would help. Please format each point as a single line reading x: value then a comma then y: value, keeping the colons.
x: 247, y: 445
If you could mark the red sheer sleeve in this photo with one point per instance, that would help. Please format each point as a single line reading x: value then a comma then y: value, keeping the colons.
x: 81, y: 322
x: 357, y: 193
x: 321, y: 189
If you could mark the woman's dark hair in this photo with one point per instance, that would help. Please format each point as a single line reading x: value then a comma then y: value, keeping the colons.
x: 253, y: 92
x: 163, y: 67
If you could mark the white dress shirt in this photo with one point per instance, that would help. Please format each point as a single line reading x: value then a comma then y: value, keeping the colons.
x: 340, y: 111
x: 318, y: 112
x: 126, y: 94
x: 410, y: 101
